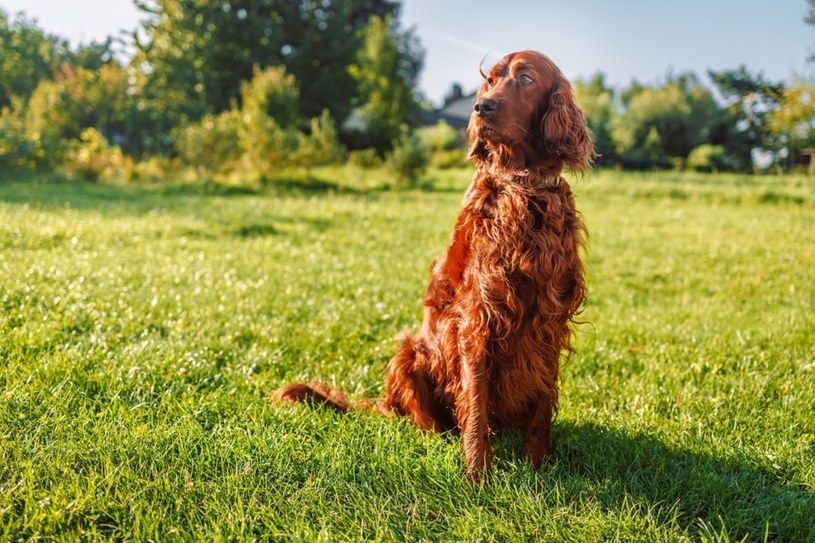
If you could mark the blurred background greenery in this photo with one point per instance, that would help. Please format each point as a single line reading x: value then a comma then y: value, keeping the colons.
x: 251, y: 89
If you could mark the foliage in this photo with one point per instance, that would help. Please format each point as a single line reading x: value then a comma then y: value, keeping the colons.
x: 267, y: 147
x: 663, y: 123
x: 707, y: 158
x: 61, y: 109
x: 17, y: 148
x: 92, y: 56
x: 447, y: 147
x: 794, y: 119
x: 749, y: 97
x: 385, y: 75
x: 212, y: 144
x: 156, y: 168
x: 93, y: 157
x: 274, y: 93
x: 27, y: 56
x: 143, y: 327
x: 364, y: 158
x: 320, y: 146
x: 197, y: 53
x: 234, y: 67
x: 596, y: 99
x: 261, y: 138
x: 409, y: 159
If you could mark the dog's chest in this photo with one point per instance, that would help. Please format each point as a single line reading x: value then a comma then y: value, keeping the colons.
x: 509, y: 218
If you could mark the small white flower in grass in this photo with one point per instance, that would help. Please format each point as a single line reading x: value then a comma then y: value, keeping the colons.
x: 380, y: 306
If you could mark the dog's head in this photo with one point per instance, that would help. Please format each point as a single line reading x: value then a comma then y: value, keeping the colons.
x: 525, y: 115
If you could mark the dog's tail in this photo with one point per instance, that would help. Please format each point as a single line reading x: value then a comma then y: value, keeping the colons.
x: 320, y: 394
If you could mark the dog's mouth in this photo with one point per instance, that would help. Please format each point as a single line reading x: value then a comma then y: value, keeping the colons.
x: 485, y: 128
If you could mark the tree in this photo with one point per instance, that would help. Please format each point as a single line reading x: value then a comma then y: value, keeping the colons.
x: 597, y: 101
x: 385, y: 77
x: 794, y: 121
x: 78, y: 99
x: 659, y: 126
x: 748, y: 99
x: 196, y: 53
x: 274, y: 93
x: 92, y: 56
x: 269, y: 114
x: 27, y: 56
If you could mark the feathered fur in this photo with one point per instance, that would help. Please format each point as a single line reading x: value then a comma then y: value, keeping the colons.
x: 500, y: 301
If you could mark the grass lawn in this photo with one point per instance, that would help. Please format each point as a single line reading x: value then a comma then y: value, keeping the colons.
x: 143, y: 327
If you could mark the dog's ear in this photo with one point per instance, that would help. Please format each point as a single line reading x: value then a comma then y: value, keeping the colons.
x: 564, y: 130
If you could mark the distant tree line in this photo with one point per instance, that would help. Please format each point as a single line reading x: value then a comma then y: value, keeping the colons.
x: 248, y: 81
x: 680, y: 124
x: 259, y: 85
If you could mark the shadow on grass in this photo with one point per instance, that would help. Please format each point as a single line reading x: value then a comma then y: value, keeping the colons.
x: 52, y: 190
x: 309, y: 184
x: 745, y: 497
x: 56, y: 191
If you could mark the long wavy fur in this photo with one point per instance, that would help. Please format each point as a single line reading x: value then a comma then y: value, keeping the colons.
x: 500, y: 302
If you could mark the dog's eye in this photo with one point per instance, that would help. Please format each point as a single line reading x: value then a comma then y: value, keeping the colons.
x: 525, y: 79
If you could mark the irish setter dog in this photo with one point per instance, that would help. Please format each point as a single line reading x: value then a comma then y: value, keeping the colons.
x: 500, y: 302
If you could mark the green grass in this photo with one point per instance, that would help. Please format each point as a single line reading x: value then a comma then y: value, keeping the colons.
x: 143, y: 327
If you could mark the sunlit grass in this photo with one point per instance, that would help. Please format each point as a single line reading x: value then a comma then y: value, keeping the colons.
x: 142, y: 328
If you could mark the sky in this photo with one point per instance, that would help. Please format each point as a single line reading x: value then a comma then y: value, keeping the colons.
x: 625, y: 39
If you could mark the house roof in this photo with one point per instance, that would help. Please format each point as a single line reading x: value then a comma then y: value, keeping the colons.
x: 455, y: 112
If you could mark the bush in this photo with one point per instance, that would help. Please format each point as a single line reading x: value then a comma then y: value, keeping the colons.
x: 320, y: 146
x: 274, y: 93
x: 156, y: 168
x: 267, y: 147
x: 409, y: 158
x: 17, y: 148
x: 212, y: 144
x: 365, y: 158
x: 261, y: 137
x: 445, y: 144
x: 60, y: 109
x: 707, y: 158
x: 92, y: 157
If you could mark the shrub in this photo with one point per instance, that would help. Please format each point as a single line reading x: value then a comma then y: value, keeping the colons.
x: 445, y: 144
x: 17, y: 148
x: 92, y: 157
x: 320, y: 146
x: 212, y: 144
x: 409, y: 158
x: 261, y: 137
x: 156, y: 168
x: 707, y: 158
x: 274, y: 93
x: 267, y: 147
x: 365, y: 158
x: 77, y: 99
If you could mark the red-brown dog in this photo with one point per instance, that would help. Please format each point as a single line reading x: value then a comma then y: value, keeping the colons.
x: 500, y: 301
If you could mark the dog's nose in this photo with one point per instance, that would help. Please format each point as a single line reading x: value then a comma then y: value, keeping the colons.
x: 484, y: 107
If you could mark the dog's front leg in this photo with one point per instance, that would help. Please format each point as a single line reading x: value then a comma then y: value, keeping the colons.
x: 538, y: 428
x: 471, y: 404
